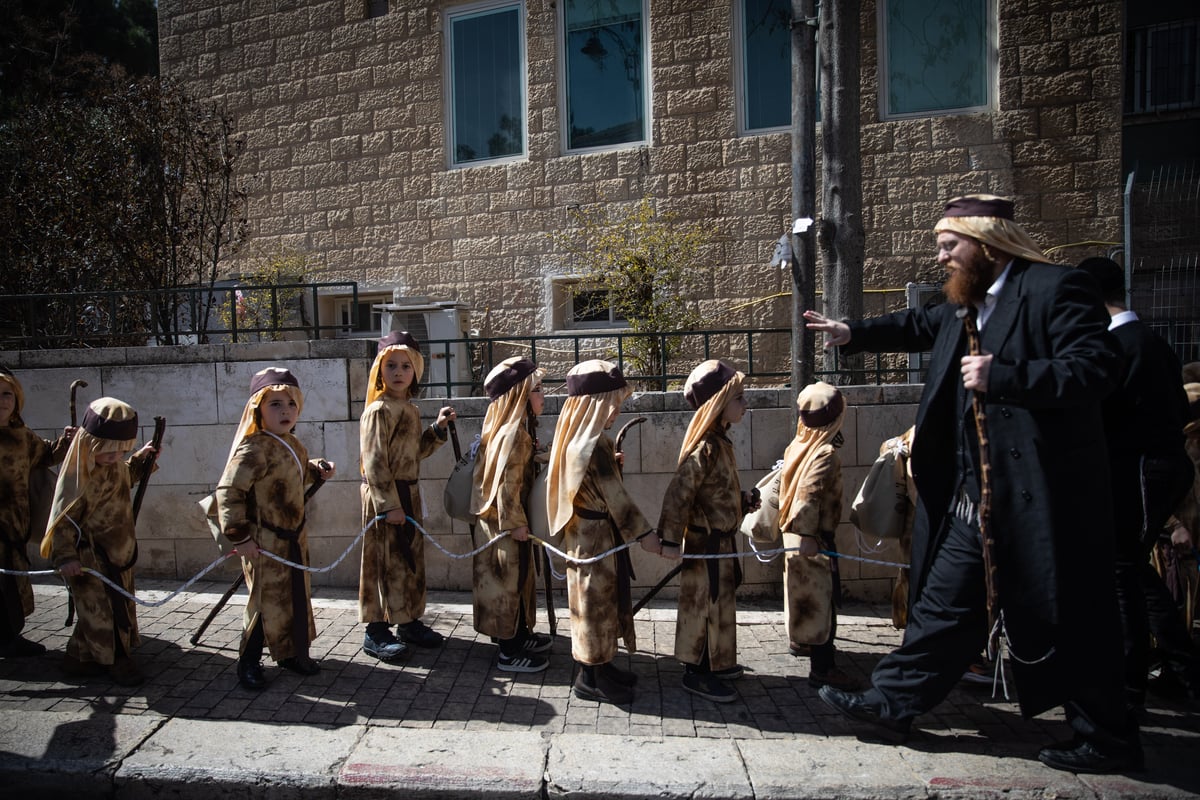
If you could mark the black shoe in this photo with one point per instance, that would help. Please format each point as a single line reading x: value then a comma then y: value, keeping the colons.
x: 250, y: 675
x: 1084, y: 756
x: 125, y: 672
x: 301, y: 664
x: 20, y: 647
x: 603, y: 691
x: 853, y: 706
x: 382, y: 644
x: 530, y: 663
x: 617, y: 675
x: 729, y: 673
x: 536, y: 643
x: 708, y: 686
x: 833, y: 677
x: 420, y: 634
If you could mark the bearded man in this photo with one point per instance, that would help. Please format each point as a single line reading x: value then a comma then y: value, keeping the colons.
x: 1045, y: 364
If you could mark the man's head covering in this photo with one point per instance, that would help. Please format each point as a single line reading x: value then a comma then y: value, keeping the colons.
x: 1191, y: 372
x: 109, y: 426
x: 6, y: 376
x: 595, y: 391
x: 271, y: 379
x: 807, y: 466
x: 1192, y: 428
x: 404, y: 342
x: 989, y: 219
x: 708, y: 389
x: 508, y: 385
x: 1109, y: 277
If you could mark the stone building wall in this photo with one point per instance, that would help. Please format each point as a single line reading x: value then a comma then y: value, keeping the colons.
x: 346, y: 160
x: 201, y: 391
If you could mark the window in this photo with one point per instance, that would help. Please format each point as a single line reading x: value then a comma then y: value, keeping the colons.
x: 580, y: 306
x: 938, y: 56
x: 604, y: 43
x: 362, y: 319
x: 376, y: 8
x: 765, y: 78
x: 1162, y: 67
x: 487, y: 78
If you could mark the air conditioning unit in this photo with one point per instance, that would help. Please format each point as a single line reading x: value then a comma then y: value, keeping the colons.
x: 440, y: 327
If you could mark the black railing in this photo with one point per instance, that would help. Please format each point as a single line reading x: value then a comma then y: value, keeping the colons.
x: 181, y: 315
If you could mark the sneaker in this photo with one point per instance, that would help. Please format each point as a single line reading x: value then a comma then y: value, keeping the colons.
x: 980, y: 672
x: 383, y: 645
x: 420, y: 634
x: 537, y: 643
x: 20, y: 647
x: 604, y: 690
x: 533, y: 663
x: 729, y: 673
x: 706, y: 685
x: 833, y: 677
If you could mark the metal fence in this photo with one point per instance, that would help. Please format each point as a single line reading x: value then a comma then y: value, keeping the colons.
x: 181, y: 315
x: 1162, y: 253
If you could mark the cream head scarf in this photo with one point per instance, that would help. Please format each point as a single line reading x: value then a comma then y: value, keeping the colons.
x: 989, y: 219
x: 708, y: 389
x: 109, y: 426
x: 508, y: 385
x: 271, y: 379
x: 1191, y: 372
x: 1192, y: 427
x: 405, y: 343
x: 595, y: 391
x: 822, y: 409
x: 15, y: 420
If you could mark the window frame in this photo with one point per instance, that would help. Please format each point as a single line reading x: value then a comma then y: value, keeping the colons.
x: 562, y: 306
x: 450, y: 15
x: 991, y: 67
x: 564, y: 92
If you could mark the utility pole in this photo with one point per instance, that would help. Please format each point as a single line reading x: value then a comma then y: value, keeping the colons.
x: 804, y: 157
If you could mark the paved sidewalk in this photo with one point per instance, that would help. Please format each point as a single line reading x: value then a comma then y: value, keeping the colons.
x: 444, y: 723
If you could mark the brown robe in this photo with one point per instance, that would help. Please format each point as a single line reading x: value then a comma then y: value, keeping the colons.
x: 21, y: 452
x: 807, y: 581
x: 106, y: 542
x: 703, y: 504
x: 390, y: 587
x: 261, y: 494
x: 598, y: 594
x: 504, y: 574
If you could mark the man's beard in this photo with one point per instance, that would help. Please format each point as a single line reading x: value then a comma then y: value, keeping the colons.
x: 969, y: 285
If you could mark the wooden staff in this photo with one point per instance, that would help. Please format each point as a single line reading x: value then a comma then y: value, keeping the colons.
x: 967, y: 315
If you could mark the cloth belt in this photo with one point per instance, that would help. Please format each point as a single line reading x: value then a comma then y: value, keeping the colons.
x: 625, y: 575
x: 299, y: 590
x: 712, y: 546
x: 405, y: 532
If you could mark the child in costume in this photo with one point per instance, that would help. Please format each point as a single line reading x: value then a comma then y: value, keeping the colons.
x: 21, y: 452
x: 391, y: 588
x: 586, y: 500
x: 810, y: 507
x: 91, y: 525
x: 503, y: 574
x: 702, y: 511
x: 260, y: 507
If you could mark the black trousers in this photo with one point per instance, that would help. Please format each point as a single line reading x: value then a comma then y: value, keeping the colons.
x: 947, y: 627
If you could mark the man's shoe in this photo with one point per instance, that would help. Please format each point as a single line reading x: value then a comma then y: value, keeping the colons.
x: 420, y: 634
x: 729, y: 673
x: 383, y: 645
x: 853, y: 706
x: 521, y: 663
x: 1080, y: 755
x: 250, y: 675
x: 706, y: 685
x: 603, y: 691
x: 301, y: 664
x: 615, y: 674
x: 125, y: 672
x: 20, y: 647
x: 833, y: 677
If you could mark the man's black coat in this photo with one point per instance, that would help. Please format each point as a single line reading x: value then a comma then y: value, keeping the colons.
x: 1051, y: 515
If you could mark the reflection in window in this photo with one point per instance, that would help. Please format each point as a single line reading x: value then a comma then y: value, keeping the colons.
x: 937, y: 56
x: 592, y: 308
x: 488, y: 84
x: 766, y: 64
x: 604, y: 62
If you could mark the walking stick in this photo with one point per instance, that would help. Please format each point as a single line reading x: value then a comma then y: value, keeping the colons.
x: 241, y: 576
x: 75, y: 386
x: 967, y: 315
